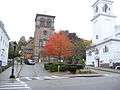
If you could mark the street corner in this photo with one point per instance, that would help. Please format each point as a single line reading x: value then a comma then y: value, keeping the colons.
x: 84, y: 75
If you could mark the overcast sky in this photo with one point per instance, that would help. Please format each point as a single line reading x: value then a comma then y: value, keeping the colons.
x: 73, y: 15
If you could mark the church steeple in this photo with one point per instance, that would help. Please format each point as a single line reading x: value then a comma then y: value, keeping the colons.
x: 102, y: 7
x: 103, y: 20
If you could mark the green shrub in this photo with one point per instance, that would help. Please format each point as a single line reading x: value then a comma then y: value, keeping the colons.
x: 80, y: 66
x: 47, y: 66
x: 72, y: 68
x: 63, y: 67
x: 53, y: 67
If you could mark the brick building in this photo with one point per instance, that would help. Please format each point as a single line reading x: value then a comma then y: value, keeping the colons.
x: 28, y: 49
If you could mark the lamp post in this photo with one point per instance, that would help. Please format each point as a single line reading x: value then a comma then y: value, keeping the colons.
x: 20, y: 53
x: 14, y: 48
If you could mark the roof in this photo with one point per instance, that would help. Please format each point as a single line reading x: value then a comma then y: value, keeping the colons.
x: 102, y: 15
x: 103, y: 43
x: 44, y: 16
x: 102, y: 0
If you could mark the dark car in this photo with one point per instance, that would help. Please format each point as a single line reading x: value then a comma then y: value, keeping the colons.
x: 116, y: 64
x: 117, y: 67
x: 29, y: 62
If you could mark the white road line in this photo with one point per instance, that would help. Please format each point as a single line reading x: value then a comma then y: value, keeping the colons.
x: 10, y: 83
x: 13, y: 85
x: 38, y: 78
x: 12, y: 88
x: 28, y: 78
x: 47, y: 78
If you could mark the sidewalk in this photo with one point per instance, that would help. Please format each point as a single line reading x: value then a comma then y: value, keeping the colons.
x: 105, y: 69
x: 24, y: 70
x: 6, y: 74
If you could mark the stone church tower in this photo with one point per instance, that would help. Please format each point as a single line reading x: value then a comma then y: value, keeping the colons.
x: 44, y: 27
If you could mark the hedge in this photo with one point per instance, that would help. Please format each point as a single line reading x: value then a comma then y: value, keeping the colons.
x: 53, y: 67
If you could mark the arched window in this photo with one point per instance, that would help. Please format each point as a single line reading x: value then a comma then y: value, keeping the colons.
x: 96, y: 36
x: 44, y: 32
x: 49, y: 23
x: 42, y: 22
x: 105, y: 49
x: 105, y: 8
x: 89, y: 53
x: 96, y: 10
x: 42, y: 42
x: 96, y: 51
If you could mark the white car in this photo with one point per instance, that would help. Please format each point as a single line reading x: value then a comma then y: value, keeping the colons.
x: 30, y: 62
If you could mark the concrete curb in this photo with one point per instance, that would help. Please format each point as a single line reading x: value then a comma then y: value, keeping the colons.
x: 107, y: 70
x: 84, y: 75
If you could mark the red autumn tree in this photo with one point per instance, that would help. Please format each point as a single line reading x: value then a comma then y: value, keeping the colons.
x: 58, y: 45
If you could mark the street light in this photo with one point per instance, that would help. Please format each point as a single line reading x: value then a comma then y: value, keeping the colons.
x: 14, y: 48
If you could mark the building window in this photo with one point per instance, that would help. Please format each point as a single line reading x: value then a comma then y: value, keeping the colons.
x: 37, y: 26
x: 105, y: 8
x: 96, y: 36
x: 105, y: 49
x: 42, y: 43
x: 42, y: 22
x: 45, y: 32
x: 96, y: 51
x: 89, y: 53
x: 1, y: 38
x: 49, y: 23
x: 96, y: 10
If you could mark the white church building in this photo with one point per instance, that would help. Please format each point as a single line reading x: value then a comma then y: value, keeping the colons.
x: 105, y: 47
x: 4, y: 45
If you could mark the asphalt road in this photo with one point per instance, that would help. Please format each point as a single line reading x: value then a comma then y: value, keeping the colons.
x: 110, y: 81
x: 83, y: 83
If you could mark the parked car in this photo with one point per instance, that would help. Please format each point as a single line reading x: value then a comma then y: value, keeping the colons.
x: 29, y: 62
x: 117, y: 67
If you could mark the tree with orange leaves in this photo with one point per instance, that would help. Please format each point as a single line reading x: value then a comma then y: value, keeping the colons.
x: 58, y: 45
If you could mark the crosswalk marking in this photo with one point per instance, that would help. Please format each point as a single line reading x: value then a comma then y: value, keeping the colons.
x: 16, y: 88
x: 13, y: 85
x: 41, y: 78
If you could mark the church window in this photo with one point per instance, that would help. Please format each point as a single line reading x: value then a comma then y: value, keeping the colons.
x: 49, y: 23
x: 90, y: 53
x: 105, y: 49
x: 1, y: 38
x: 105, y: 8
x: 42, y: 22
x: 37, y: 26
x: 96, y: 36
x: 45, y: 32
x: 96, y: 51
x: 96, y: 9
x: 40, y: 43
